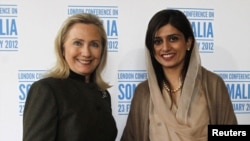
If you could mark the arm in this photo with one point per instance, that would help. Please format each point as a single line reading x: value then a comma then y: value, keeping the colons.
x: 39, y: 117
x: 128, y: 132
x: 137, y: 125
x: 226, y: 113
x: 219, y: 103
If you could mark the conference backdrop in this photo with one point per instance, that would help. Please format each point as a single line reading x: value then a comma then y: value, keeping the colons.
x: 28, y: 29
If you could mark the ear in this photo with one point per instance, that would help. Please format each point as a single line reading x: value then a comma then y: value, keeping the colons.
x: 189, y: 42
x: 63, y: 52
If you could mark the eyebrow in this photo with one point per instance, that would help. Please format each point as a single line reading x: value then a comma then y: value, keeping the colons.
x: 84, y: 40
x: 174, y: 34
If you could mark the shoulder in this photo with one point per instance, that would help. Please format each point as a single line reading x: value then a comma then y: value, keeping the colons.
x: 40, y: 91
x: 50, y: 82
x: 210, y: 76
x: 143, y: 86
x: 142, y: 90
x: 48, y: 85
x: 44, y: 83
x: 212, y: 81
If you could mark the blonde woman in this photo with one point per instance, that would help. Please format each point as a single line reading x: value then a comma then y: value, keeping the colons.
x: 72, y: 102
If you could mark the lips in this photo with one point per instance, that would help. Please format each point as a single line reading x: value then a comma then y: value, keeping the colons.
x: 168, y: 55
x: 85, y: 62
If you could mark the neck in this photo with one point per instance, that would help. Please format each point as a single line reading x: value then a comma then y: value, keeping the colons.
x: 173, y: 76
x: 173, y: 89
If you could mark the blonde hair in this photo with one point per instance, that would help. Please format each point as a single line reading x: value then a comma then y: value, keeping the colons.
x: 61, y: 68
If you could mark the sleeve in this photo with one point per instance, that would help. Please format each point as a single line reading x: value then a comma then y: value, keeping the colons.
x: 107, y: 96
x: 137, y: 125
x: 40, y: 111
x: 225, y: 113
x: 129, y: 129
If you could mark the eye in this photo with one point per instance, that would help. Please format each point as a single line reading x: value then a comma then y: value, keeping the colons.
x: 77, y: 43
x: 94, y: 44
x: 173, y: 38
x: 157, y: 41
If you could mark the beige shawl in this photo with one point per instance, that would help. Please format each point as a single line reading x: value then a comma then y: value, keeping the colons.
x: 189, y: 121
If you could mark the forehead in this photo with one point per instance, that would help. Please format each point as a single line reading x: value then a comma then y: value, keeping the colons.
x: 84, y: 30
x: 84, y: 27
x: 166, y: 30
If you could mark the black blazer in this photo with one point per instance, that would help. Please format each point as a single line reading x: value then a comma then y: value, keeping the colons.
x: 67, y: 110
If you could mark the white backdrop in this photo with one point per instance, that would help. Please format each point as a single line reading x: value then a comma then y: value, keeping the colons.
x: 28, y: 29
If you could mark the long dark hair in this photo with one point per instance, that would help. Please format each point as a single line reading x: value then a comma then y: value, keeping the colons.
x: 177, y: 19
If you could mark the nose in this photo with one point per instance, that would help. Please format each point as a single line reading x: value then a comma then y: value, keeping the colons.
x: 85, y: 51
x: 165, y: 45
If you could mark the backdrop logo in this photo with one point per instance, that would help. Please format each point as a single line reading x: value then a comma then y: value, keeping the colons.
x: 127, y: 82
x: 109, y: 16
x: 8, y: 28
x: 202, y: 24
x: 25, y: 79
x: 238, y: 85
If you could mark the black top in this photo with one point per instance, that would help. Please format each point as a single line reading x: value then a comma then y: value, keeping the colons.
x: 68, y: 110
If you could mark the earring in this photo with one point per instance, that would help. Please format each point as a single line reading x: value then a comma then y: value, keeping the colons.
x: 188, y: 49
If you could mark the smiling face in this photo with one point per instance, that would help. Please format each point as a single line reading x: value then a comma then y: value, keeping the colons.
x: 170, y: 47
x: 83, y: 48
